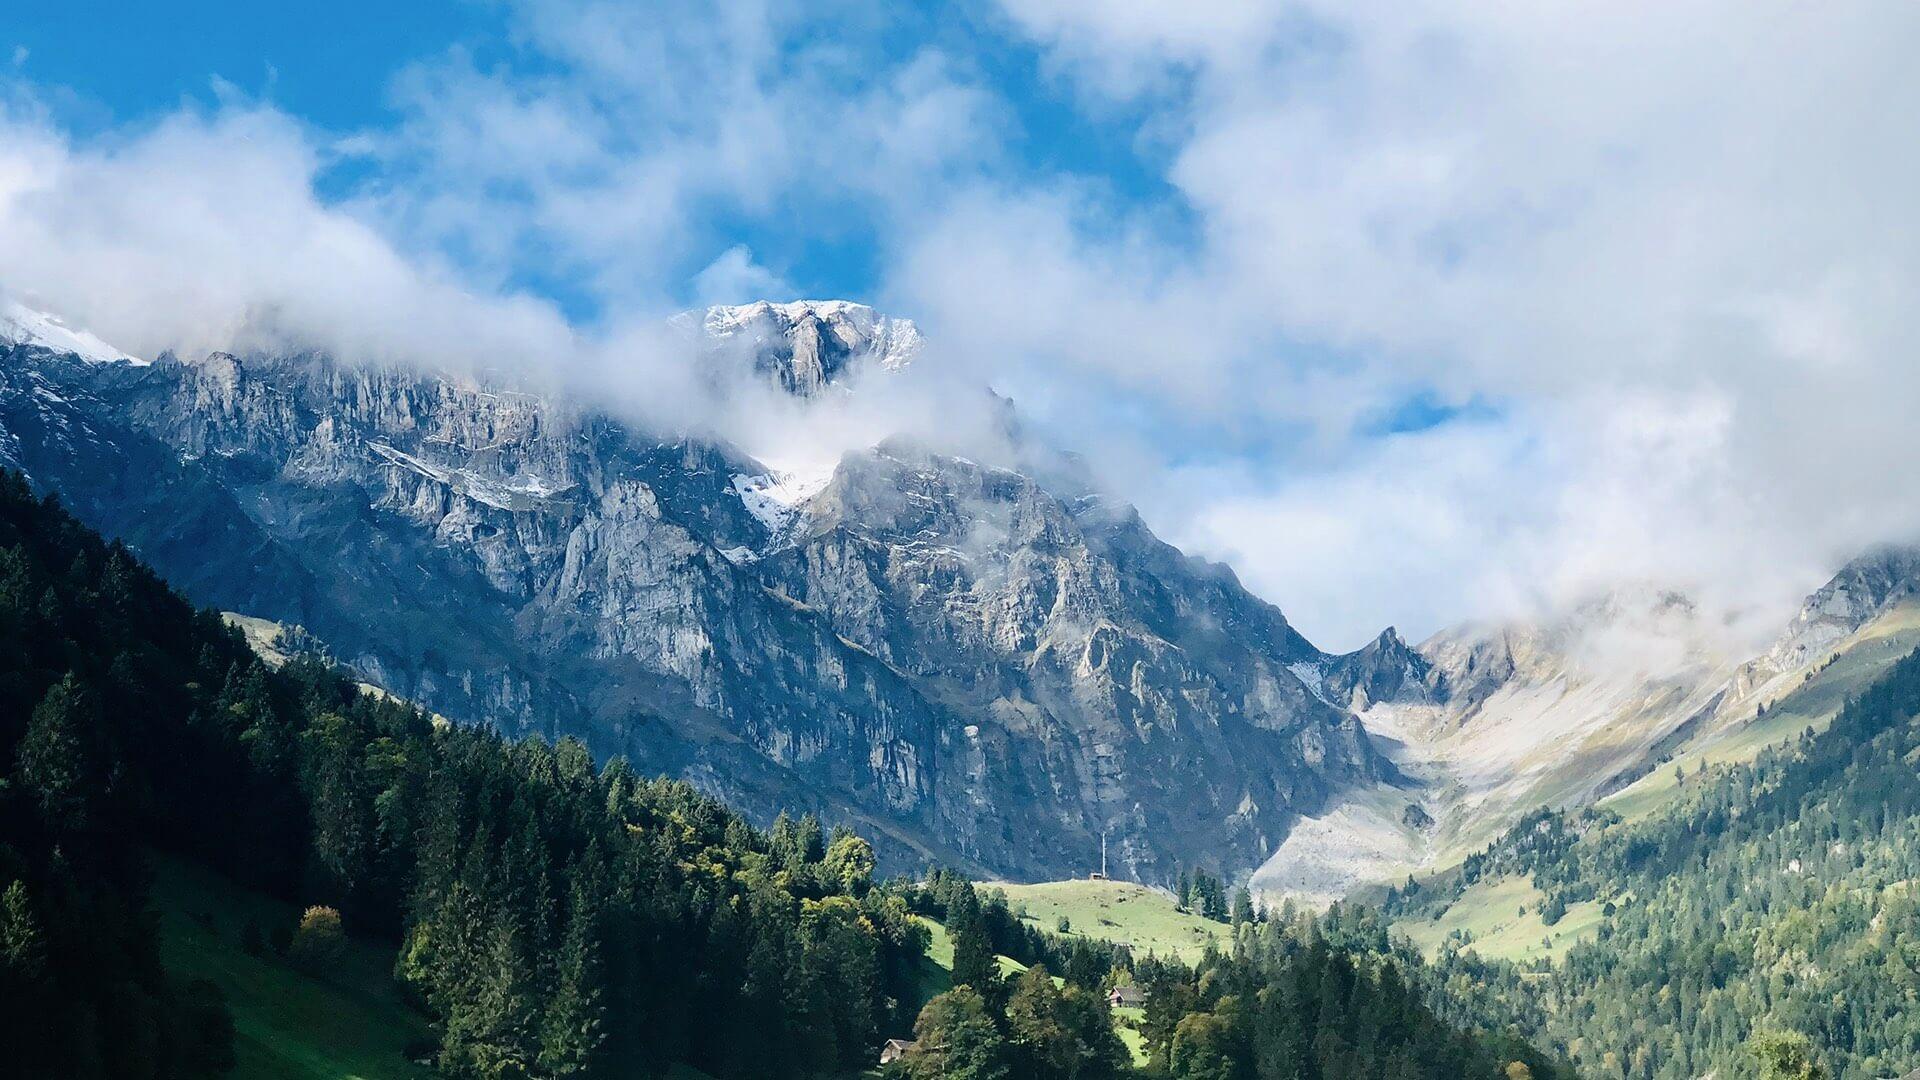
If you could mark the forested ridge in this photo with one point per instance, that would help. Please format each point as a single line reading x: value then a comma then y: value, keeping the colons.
x: 1775, y: 897
x: 552, y: 917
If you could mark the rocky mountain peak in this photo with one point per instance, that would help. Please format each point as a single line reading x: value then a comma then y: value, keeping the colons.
x: 1861, y: 590
x: 993, y: 667
x: 1386, y: 669
x: 806, y: 345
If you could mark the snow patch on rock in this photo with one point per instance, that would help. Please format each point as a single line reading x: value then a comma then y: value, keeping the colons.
x: 777, y: 498
x: 890, y: 342
x: 22, y: 325
x: 1313, y: 675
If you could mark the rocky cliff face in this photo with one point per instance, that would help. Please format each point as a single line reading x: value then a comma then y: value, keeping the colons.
x: 1863, y: 589
x: 1119, y: 679
x: 978, y: 667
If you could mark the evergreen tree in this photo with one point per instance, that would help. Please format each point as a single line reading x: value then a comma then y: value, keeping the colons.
x: 55, y: 767
x: 23, y: 945
x: 572, y: 1033
x: 974, y: 962
x: 1242, y: 912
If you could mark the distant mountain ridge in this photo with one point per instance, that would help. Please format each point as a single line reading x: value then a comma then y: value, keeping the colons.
x: 806, y: 345
x: 1490, y: 722
x: 979, y: 667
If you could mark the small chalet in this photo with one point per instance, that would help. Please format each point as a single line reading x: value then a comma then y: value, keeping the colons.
x: 1127, y: 997
x: 893, y: 1050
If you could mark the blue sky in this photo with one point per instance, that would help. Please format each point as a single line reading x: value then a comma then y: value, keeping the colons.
x: 1413, y: 311
x: 108, y: 67
x: 329, y: 63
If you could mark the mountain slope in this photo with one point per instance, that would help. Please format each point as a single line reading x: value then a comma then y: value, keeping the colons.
x: 345, y: 887
x: 1493, y: 722
x: 526, y: 562
x: 539, y: 908
x: 1148, y: 688
x: 1775, y: 894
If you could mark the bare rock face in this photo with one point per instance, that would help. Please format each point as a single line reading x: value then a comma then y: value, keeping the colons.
x: 1864, y: 587
x: 974, y: 666
x: 1145, y: 692
x: 1388, y: 669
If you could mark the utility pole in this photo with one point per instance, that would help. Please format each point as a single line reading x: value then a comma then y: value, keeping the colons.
x: 1103, y: 853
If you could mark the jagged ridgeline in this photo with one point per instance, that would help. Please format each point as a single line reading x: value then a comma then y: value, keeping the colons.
x: 543, y: 916
x: 975, y: 666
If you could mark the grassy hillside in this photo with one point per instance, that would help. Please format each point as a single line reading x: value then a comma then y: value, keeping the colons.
x: 1119, y: 911
x: 1501, y: 919
x: 347, y: 1024
x: 276, y: 644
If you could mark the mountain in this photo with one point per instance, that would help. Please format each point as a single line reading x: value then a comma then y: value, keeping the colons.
x: 21, y: 325
x: 1493, y: 722
x: 218, y: 865
x: 807, y: 345
x: 977, y: 666
x: 1766, y: 896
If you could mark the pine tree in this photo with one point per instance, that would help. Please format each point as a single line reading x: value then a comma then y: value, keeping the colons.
x: 23, y: 944
x: 55, y: 766
x: 573, y: 1027
x: 974, y: 962
x: 490, y: 1028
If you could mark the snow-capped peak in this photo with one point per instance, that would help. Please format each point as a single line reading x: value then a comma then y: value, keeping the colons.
x: 805, y: 345
x: 22, y: 325
x: 893, y: 343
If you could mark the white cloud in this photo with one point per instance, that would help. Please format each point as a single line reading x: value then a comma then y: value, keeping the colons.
x: 635, y: 141
x: 734, y: 278
x: 204, y: 232
x: 1671, y: 245
x: 1670, y: 240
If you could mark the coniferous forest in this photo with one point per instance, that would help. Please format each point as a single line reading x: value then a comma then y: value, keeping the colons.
x: 551, y: 917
